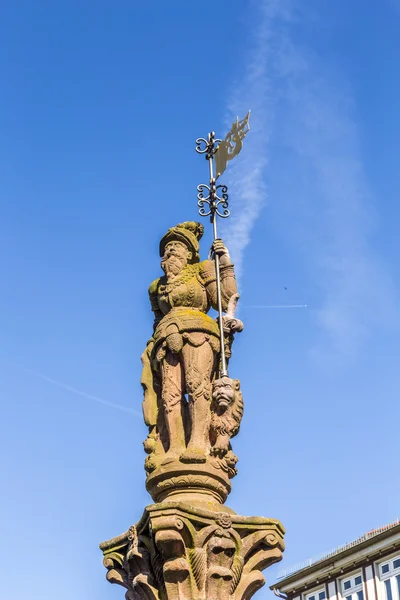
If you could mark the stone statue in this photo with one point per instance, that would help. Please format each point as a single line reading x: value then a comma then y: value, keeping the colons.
x: 188, y: 545
x: 182, y: 357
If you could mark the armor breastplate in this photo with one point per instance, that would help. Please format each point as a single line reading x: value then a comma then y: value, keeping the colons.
x: 186, y: 290
x: 184, y: 304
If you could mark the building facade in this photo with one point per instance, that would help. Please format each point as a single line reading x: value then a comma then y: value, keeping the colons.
x: 366, y: 569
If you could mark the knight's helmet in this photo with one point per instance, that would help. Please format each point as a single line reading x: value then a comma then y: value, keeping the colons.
x: 189, y: 233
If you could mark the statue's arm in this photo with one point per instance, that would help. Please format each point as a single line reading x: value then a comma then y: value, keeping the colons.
x: 228, y: 279
x: 154, y: 303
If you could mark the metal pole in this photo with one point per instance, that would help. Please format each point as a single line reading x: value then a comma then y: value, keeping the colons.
x: 210, y: 157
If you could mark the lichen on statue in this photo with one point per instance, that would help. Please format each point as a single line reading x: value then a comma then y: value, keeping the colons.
x: 182, y: 359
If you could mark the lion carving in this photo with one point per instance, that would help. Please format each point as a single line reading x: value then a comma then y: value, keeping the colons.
x: 226, y: 414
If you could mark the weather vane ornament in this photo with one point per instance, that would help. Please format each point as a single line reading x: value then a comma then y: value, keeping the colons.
x: 188, y: 545
x: 232, y: 144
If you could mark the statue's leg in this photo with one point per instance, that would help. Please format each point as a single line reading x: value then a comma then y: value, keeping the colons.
x: 199, y: 365
x: 172, y: 397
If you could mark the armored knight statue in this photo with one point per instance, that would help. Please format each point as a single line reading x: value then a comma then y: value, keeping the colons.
x: 188, y: 544
x: 182, y: 356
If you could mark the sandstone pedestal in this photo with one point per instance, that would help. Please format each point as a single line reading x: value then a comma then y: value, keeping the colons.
x: 178, y: 552
x: 197, y: 483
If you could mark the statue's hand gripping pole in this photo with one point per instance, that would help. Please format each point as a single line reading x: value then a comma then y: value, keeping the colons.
x: 212, y: 205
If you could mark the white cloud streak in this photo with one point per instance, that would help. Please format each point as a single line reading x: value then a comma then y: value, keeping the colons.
x: 246, y: 175
x: 83, y: 394
x: 302, y: 117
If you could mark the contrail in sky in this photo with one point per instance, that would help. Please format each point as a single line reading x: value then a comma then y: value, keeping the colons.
x: 74, y: 390
x: 275, y: 306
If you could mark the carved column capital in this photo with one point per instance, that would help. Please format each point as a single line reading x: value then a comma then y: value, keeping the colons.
x: 177, y: 552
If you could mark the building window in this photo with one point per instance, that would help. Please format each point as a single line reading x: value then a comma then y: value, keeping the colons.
x: 388, y: 588
x: 318, y: 595
x: 352, y: 588
x: 389, y: 572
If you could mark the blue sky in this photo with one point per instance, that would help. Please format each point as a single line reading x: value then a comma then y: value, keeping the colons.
x: 100, y: 106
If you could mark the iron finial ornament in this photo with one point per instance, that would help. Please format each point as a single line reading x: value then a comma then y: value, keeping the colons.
x: 212, y: 199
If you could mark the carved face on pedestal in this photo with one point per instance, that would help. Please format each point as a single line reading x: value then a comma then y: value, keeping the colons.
x: 220, y: 555
x: 223, y: 392
x: 176, y: 257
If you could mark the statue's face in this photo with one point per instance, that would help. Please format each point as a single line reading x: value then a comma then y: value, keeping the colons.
x: 223, y: 392
x: 176, y: 248
x: 176, y: 256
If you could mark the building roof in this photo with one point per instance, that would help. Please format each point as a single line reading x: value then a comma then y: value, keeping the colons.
x: 307, y: 567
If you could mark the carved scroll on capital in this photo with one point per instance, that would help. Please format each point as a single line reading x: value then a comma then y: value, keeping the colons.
x: 180, y: 553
